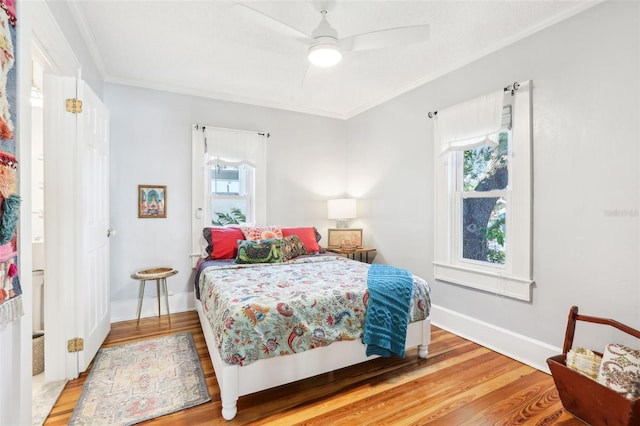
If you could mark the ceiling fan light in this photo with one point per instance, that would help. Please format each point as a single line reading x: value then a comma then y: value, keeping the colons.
x: 324, y: 54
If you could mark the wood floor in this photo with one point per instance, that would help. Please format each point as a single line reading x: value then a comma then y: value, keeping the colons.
x: 460, y: 383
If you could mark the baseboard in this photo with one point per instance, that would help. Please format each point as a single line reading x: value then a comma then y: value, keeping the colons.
x: 124, y: 310
x: 517, y: 346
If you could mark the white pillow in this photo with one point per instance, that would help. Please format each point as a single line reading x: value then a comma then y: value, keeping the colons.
x: 620, y: 369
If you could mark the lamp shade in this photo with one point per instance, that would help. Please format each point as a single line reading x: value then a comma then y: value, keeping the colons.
x: 342, y: 208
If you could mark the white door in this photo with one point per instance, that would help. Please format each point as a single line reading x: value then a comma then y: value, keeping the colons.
x: 77, y: 289
x: 93, y: 286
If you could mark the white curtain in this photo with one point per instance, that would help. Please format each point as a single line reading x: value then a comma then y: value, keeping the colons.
x: 238, y: 146
x: 235, y: 146
x: 469, y: 124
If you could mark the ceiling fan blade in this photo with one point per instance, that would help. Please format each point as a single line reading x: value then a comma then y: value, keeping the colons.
x: 304, y: 76
x: 269, y: 22
x: 386, y: 38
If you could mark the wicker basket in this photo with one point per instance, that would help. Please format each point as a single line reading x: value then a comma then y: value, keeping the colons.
x: 37, y: 344
x: 582, y: 396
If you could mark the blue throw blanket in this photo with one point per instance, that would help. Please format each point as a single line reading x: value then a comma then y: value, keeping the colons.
x: 385, y: 324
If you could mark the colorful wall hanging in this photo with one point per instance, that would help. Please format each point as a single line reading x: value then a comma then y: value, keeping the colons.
x: 10, y: 290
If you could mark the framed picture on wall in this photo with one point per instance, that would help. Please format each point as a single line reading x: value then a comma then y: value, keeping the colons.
x: 345, y: 238
x: 152, y: 201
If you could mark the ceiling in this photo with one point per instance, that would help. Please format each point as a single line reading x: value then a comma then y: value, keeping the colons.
x: 208, y: 48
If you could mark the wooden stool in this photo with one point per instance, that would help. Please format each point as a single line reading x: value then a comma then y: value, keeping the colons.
x: 160, y: 275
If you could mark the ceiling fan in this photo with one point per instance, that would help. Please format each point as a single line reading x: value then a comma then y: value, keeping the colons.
x: 325, y: 47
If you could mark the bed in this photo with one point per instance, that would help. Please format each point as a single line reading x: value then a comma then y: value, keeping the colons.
x: 269, y: 324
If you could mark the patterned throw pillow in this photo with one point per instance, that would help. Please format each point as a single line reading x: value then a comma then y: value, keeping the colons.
x: 292, y: 247
x: 584, y: 362
x: 263, y: 251
x: 620, y: 369
x: 262, y: 233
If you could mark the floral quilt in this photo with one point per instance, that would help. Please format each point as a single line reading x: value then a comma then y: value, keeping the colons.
x: 259, y: 311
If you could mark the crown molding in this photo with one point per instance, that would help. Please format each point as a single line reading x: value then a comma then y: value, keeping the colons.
x: 226, y: 97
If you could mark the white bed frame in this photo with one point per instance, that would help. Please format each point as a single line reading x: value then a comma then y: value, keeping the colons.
x: 235, y: 381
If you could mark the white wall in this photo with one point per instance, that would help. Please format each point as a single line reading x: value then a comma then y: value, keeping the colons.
x: 586, y: 160
x: 151, y: 144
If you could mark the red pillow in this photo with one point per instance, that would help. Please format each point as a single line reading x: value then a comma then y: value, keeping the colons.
x: 307, y: 235
x: 223, y: 242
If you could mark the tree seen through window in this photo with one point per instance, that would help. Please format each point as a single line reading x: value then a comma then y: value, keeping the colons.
x: 485, y: 178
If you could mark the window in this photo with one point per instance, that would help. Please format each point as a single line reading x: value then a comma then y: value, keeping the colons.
x: 228, y: 179
x: 483, y: 192
x: 231, y: 193
x: 483, y: 201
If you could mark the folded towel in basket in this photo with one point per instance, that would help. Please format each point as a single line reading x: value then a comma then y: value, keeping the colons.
x: 584, y: 362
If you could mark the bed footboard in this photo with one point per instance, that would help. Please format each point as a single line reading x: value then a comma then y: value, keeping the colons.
x: 235, y: 381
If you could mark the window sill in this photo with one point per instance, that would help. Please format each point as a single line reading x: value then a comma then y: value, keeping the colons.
x: 501, y: 284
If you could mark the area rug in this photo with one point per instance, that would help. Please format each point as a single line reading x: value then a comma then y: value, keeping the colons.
x: 44, y: 396
x: 139, y: 381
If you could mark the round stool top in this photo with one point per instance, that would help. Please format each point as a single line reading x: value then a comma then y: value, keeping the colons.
x: 153, y: 273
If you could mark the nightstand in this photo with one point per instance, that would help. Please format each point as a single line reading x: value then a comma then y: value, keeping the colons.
x: 351, y: 253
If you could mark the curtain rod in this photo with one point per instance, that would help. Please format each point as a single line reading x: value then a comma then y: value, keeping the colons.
x: 203, y: 127
x: 510, y: 88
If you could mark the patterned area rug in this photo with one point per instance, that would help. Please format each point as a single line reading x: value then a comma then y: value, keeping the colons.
x: 140, y: 381
x: 43, y: 397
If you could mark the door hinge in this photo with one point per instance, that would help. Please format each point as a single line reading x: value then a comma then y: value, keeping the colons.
x: 74, y: 106
x: 75, y: 345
